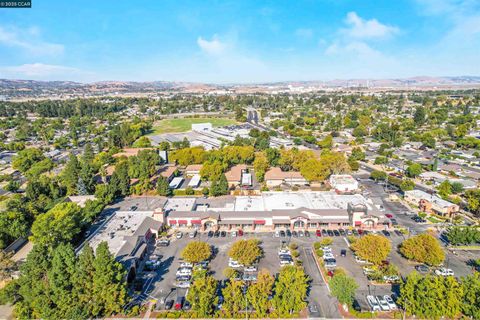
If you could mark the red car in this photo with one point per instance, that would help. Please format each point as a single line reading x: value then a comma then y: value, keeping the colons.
x: 360, y: 231
x: 388, y: 215
x: 330, y: 273
x: 318, y: 233
x: 240, y: 232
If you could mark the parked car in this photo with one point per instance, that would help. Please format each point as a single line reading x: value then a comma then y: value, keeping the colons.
x: 216, y: 234
x: 294, y: 234
x: 284, y: 251
x: 163, y: 243
x: 324, y: 232
x: 210, y: 234
x: 183, y: 284
x: 444, y: 272
x: 288, y: 233
x: 169, y: 304
x: 301, y: 233
x: 186, y: 305
x: 318, y: 233
x: 223, y: 234
x: 330, y: 233
x: 277, y: 234
x: 373, y: 303
x: 250, y: 269
x: 336, y: 233
x: 343, y: 252
x: 422, y: 268
x: 179, y: 303
x: 341, y: 231
x: 282, y: 233
x: 386, y: 233
x: 186, y: 265
x: 328, y: 255
x: 192, y: 234
x: 388, y: 215
x: 184, y: 272
x: 240, y: 232
x: 330, y: 263
x: 383, y: 303
x: 234, y: 264
x: 391, y: 304
x: 234, y: 234
x: 307, y: 234
x: 179, y: 235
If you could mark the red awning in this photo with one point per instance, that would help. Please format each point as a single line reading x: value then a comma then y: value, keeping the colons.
x: 172, y: 221
x: 182, y: 221
x: 258, y: 221
x: 196, y: 221
x: 358, y: 223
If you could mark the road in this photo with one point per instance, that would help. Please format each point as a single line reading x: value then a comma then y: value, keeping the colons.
x: 319, y: 294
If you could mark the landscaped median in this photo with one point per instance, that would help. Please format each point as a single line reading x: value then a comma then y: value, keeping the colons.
x: 339, y: 284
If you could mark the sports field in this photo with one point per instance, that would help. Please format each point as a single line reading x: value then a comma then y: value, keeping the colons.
x: 183, y: 125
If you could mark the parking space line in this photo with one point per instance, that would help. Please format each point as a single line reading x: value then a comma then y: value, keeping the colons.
x: 346, y: 241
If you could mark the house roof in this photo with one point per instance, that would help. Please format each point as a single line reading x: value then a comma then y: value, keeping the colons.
x: 168, y: 171
x: 129, y: 152
x: 194, y: 167
x: 235, y: 173
x: 276, y: 173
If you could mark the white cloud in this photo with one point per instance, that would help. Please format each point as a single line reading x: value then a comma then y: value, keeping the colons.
x: 304, y: 33
x: 212, y: 47
x: 40, y: 71
x: 360, y: 28
x: 29, y: 41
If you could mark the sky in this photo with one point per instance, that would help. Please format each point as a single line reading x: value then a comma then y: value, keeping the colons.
x: 239, y: 41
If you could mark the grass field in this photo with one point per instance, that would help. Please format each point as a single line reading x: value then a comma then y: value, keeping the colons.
x: 183, y: 125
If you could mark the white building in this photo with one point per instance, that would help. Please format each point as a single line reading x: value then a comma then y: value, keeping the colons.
x: 343, y: 183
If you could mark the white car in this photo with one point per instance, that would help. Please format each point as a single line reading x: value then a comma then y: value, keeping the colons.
x: 360, y: 260
x: 328, y: 256
x: 183, y: 284
x: 444, y: 272
x: 277, y: 234
x: 373, y: 303
x: 192, y: 234
x: 234, y: 234
x: 391, y: 303
x: 327, y: 249
x: 179, y: 235
x: 186, y: 265
x: 250, y: 269
x: 383, y: 303
x: 284, y: 251
x: 286, y: 262
x: 391, y: 278
x: 184, y: 272
x: 234, y: 264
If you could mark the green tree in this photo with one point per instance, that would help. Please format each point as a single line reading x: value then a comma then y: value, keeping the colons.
x: 373, y: 248
x: 162, y: 187
x: 407, y: 185
x: 290, y: 291
x: 445, y: 189
x: 109, y: 290
x: 59, y: 224
x: 71, y: 173
x: 246, y: 252
x: 196, y: 251
x: 26, y: 158
x: 219, y: 187
x: 471, y: 295
x: 343, y: 288
x: 414, y: 170
x: 473, y: 200
x: 202, y: 295
x: 378, y: 175
x: 258, y: 293
x: 234, y: 300
x: 419, y: 116
x: 260, y: 166
x: 423, y: 248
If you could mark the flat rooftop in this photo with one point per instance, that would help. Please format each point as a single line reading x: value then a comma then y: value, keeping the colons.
x: 269, y: 201
x: 121, y: 224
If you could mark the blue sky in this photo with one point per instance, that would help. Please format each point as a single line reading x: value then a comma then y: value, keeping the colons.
x: 239, y: 41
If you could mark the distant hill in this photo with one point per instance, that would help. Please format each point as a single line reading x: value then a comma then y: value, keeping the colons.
x: 24, y: 89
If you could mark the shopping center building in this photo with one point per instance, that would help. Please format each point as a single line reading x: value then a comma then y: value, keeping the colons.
x: 274, y: 210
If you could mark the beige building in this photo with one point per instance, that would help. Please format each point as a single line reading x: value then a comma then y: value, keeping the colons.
x: 276, y: 177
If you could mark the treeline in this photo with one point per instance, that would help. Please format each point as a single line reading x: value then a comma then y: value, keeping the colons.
x: 61, y: 108
x: 57, y: 284
x: 434, y: 297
